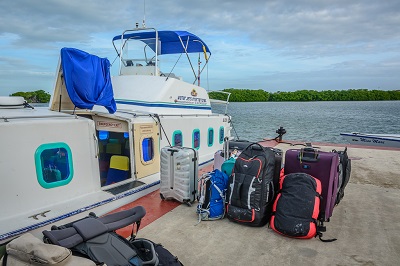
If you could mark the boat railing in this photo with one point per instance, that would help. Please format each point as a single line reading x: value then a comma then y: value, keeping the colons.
x: 218, y: 101
x: 8, y: 118
x: 127, y: 62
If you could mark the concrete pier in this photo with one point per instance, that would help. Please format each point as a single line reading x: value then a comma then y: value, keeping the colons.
x: 366, y: 224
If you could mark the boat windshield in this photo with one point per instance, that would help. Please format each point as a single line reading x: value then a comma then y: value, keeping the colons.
x: 142, y: 47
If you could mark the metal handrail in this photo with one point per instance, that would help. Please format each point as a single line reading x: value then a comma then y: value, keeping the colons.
x: 223, y: 102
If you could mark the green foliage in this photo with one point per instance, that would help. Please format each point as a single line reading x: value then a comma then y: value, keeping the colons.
x: 39, y: 96
x: 217, y: 95
x: 244, y: 95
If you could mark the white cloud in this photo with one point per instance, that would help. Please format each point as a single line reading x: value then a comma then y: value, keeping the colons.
x: 282, y: 44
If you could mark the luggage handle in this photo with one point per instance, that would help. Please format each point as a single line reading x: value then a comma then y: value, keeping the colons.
x: 172, y: 150
x: 253, y: 146
x: 308, y: 155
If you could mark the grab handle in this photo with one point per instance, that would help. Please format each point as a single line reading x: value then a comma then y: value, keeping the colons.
x: 253, y: 146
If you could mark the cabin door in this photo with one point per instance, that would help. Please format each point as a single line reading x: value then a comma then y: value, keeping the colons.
x: 114, y: 153
x: 146, y: 149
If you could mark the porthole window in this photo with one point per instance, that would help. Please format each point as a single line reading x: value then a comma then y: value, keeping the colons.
x: 196, y: 139
x: 147, y: 149
x: 53, y: 163
x: 221, y: 135
x: 177, y: 138
x: 210, y: 137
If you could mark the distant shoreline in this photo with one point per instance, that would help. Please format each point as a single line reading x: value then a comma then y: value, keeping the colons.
x: 246, y: 95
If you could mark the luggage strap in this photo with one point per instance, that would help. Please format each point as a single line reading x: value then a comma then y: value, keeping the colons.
x: 321, y: 228
x: 319, y: 234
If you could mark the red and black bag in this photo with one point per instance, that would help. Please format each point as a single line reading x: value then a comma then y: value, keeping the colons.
x: 250, y: 189
x: 296, y: 207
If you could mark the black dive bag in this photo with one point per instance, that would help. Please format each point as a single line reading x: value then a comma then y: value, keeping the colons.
x: 344, y: 173
x: 251, y: 188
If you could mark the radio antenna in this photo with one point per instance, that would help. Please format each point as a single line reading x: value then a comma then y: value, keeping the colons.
x: 144, y: 14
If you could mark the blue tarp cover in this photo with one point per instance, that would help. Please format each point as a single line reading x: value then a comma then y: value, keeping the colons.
x: 170, y: 41
x: 87, y: 79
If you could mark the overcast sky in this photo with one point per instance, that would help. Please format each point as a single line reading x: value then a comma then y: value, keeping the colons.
x: 283, y: 45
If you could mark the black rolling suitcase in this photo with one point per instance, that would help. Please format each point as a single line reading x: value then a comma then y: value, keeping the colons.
x: 277, y: 168
x: 240, y: 145
x: 344, y: 173
x: 250, y: 188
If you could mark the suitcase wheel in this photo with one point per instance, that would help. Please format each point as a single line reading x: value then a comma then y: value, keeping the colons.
x: 188, y: 203
x: 162, y: 197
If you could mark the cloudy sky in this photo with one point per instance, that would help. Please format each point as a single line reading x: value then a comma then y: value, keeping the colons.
x: 273, y: 45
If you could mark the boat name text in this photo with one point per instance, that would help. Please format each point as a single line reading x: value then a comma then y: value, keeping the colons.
x: 190, y: 99
x: 373, y: 140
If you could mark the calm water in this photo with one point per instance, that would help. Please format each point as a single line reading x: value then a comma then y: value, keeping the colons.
x: 312, y: 121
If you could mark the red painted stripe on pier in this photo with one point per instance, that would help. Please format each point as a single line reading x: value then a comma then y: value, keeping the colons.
x: 155, y: 208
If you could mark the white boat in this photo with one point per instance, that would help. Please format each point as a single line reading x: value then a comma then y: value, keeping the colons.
x: 381, y: 140
x: 97, y: 146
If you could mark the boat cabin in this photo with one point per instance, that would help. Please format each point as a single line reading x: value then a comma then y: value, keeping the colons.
x: 97, y: 146
x: 150, y: 108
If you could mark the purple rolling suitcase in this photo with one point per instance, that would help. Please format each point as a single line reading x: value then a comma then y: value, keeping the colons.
x: 321, y: 165
x: 218, y: 159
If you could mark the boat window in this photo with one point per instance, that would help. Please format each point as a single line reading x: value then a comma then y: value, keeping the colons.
x: 221, y: 135
x: 147, y: 149
x: 103, y: 135
x: 210, y: 137
x: 177, y: 138
x: 196, y: 139
x: 53, y: 163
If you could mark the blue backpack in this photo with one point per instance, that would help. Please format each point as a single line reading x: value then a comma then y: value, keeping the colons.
x: 212, y: 188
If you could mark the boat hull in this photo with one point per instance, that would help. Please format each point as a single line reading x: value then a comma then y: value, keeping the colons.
x: 379, y: 140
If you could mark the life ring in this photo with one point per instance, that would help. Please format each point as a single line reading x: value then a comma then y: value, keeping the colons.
x: 12, y: 102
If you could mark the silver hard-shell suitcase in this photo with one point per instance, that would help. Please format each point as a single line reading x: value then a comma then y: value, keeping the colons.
x: 178, y: 174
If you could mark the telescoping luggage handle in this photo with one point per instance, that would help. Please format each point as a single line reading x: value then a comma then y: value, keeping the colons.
x: 172, y: 150
x: 308, y: 155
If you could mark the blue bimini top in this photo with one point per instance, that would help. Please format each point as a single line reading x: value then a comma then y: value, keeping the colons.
x: 172, y: 42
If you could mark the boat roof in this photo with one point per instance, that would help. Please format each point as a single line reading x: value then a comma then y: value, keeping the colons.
x: 172, y: 42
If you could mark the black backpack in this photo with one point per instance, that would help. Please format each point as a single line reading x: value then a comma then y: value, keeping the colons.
x: 296, y: 208
x: 344, y: 173
x: 251, y: 188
